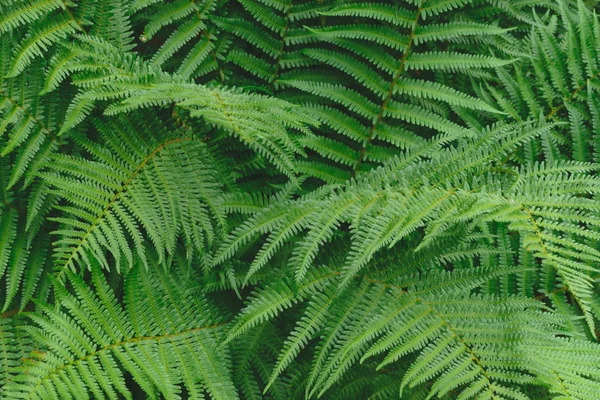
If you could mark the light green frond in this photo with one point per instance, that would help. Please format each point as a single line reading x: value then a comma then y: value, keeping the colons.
x: 113, y: 198
x: 95, y: 338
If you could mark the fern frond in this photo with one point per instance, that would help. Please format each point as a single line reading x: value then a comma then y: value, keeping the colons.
x: 96, y: 334
x: 112, y: 198
x: 376, y: 45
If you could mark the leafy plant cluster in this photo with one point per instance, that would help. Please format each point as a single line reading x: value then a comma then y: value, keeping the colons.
x: 299, y: 199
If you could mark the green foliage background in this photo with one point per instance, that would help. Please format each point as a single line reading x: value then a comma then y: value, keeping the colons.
x: 299, y: 199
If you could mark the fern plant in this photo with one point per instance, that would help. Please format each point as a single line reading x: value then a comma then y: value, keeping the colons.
x: 277, y: 199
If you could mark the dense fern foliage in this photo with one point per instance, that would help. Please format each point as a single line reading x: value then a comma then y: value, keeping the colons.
x: 299, y: 199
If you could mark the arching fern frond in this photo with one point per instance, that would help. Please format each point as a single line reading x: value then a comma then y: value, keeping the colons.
x: 16, y: 346
x: 120, y: 191
x: 90, y: 337
x: 131, y: 84
x: 426, y: 199
x: 381, y: 50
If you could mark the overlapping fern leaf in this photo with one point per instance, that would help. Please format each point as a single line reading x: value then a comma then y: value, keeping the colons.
x: 129, y: 184
x: 437, y: 326
x: 366, y: 73
x: 420, y: 204
x: 192, y: 45
x: 162, y: 337
x: 564, y: 92
x: 123, y: 83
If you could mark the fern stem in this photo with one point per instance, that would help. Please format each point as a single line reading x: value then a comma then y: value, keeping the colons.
x: 538, y: 233
x: 212, y: 52
x: 572, y: 96
x: 562, y: 383
x: 72, y: 17
x: 474, y: 357
x: 390, y: 92
x: 282, y: 47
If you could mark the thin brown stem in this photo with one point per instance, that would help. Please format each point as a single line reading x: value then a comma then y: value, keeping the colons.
x: 398, y: 73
